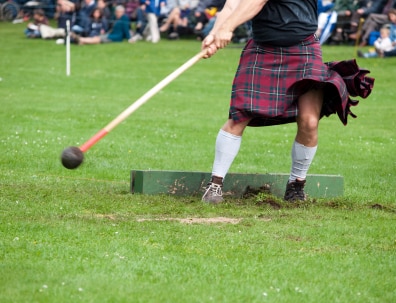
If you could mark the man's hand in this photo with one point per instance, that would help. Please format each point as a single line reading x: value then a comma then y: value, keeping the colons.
x: 209, y: 45
x: 216, y: 41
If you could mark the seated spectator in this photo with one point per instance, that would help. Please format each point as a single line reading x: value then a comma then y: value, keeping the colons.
x: 33, y: 28
x: 374, y: 22
x: 81, y: 25
x: 392, y: 35
x: 369, y: 7
x: 191, y: 18
x: 168, y: 7
x: 202, y: 13
x: 178, y: 17
x: 381, y: 45
x: 98, y: 24
x: 119, y: 32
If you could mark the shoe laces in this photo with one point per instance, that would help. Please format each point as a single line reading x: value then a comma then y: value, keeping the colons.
x: 215, y: 189
x: 298, y: 189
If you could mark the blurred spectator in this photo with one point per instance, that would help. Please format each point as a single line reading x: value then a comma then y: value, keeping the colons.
x: 147, y: 22
x: 119, y: 32
x: 178, y: 18
x: 82, y: 23
x: 33, y: 28
x: 392, y: 52
x: 365, y: 9
x: 241, y: 34
x: 169, y: 6
x: 102, y: 5
x: 202, y: 14
x: 212, y: 15
x: 334, y: 22
x: 381, y: 45
x: 98, y: 24
x: 374, y: 22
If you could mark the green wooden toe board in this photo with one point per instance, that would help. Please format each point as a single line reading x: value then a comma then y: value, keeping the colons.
x: 188, y: 183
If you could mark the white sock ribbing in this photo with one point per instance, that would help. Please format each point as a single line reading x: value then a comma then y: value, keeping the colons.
x: 227, y: 147
x: 302, y: 157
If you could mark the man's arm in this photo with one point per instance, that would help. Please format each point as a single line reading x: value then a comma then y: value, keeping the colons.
x: 233, y: 14
x: 237, y: 12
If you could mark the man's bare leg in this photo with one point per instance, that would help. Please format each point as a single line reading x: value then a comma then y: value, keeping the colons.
x: 305, y: 143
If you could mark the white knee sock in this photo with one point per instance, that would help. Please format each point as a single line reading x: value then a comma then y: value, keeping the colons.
x: 227, y: 147
x: 302, y: 157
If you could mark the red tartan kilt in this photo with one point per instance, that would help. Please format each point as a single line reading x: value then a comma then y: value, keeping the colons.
x: 269, y: 81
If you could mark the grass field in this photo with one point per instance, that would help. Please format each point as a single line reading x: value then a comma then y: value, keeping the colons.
x: 80, y: 236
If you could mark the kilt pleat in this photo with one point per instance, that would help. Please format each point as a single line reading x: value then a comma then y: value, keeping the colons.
x: 269, y: 80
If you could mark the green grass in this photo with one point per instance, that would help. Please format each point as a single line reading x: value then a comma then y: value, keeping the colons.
x: 78, y: 236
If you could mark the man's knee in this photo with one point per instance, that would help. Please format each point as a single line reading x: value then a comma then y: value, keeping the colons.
x: 308, y: 123
x: 235, y: 128
x: 309, y: 108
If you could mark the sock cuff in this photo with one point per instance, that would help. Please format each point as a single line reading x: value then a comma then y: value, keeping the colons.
x: 229, y: 135
x: 303, y: 146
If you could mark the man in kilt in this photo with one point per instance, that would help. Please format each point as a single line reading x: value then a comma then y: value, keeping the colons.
x: 281, y: 78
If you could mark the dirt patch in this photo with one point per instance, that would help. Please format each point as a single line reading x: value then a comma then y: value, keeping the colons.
x: 383, y: 207
x: 269, y: 201
x: 214, y: 220
x: 253, y: 192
